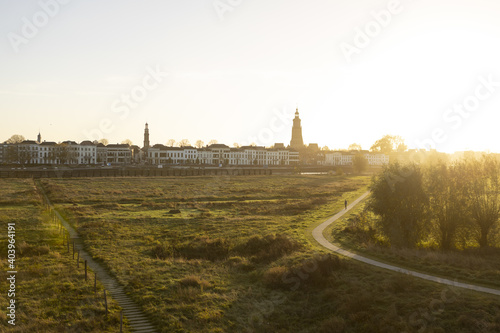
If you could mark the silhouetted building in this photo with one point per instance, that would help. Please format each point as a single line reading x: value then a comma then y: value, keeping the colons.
x: 296, y: 142
x: 146, y: 137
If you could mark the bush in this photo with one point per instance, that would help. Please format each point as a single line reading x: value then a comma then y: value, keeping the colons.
x: 27, y: 250
x: 194, y: 281
x: 204, y: 248
x: 268, y: 248
x: 273, y: 277
x: 314, y: 272
x: 162, y: 251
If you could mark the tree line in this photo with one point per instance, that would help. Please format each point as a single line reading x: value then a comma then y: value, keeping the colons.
x: 451, y: 205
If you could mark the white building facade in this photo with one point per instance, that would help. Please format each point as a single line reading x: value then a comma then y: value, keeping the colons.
x: 346, y: 158
x: 219, y: 154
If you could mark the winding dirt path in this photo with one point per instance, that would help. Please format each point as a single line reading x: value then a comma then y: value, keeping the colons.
x: 318, y: 236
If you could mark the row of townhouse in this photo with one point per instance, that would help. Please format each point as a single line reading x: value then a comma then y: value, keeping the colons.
x: 87, y: 153
x: 67, y: 152
x: 345, y: 158
x: 221, y: 154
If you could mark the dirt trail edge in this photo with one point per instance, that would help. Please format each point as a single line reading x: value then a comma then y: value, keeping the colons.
x: 318, y: 236
x: 138, y: 322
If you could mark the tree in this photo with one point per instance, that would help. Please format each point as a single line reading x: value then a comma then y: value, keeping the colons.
x: 354, y: 146
x: 325, y: 148
x: 184, y: 143
x: 212, y: 142
x: 447, y: 202
x: 11, y: 154
x: 171, y: 142
x: 398, y: 198
x: 16, y: 138
x: 127, y: 142
x: 483, y: 193
x: 104, y: 141
x: 62, y: 152
x: 199, y: 144
x: 389, y: 144
x: 236, y: 145
x: 359, y: 163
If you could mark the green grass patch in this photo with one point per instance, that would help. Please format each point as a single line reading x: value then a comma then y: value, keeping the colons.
x: 240, y: 258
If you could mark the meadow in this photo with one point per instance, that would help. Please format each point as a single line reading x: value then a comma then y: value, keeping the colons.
x: 51, y: 294
x: 235, y: 254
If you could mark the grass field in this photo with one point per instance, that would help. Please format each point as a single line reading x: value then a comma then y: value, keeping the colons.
x: 51, y: 294
x: 239, y: 257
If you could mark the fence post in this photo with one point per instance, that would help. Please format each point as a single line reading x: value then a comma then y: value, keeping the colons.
x: 78, y: 259
x: 85, y: 270
x: 73, y: 249
x: 105, y: 302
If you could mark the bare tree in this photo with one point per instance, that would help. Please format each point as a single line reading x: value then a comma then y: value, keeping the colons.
x: 325, y: 148
x: 63, y: 153
x: 199, y: 144
x: 104, y: 141
x: 483, y: 177
x: 127, y: 142
x: 359, y: 163
x: 236, y: 145
x: 184, y: 143
x: 171, y: 142
x: 212, y: 142
x: 16, y: 138
x: 446, y: 186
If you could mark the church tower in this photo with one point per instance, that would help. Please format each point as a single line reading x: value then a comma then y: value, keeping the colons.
x: 146, y: 137
x: 296, y: 141
x: 39, y: 138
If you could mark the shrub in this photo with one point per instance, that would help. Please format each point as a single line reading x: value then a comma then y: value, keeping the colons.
x: 162, y: 251
x: 314, y: 272
x: 241, y: 264
x: 27, y: 250
x: 268, y: 248
x: 273, y: 277
x: 194, y: 281
x: 204, y: 248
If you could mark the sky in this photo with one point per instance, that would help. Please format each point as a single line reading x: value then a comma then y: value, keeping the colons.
x: 235, y: 71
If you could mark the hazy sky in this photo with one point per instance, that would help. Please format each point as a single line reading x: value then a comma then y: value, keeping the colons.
x: 234, y: 70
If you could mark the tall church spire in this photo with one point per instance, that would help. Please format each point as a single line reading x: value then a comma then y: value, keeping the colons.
x: 296, y: 141
x: 146, y: 137
x: 39, y: 137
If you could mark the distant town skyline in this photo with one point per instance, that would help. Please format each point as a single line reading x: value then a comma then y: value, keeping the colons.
x: 235, y: 72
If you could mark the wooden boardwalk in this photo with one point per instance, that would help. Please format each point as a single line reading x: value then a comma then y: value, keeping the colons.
x: 137, y: 320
